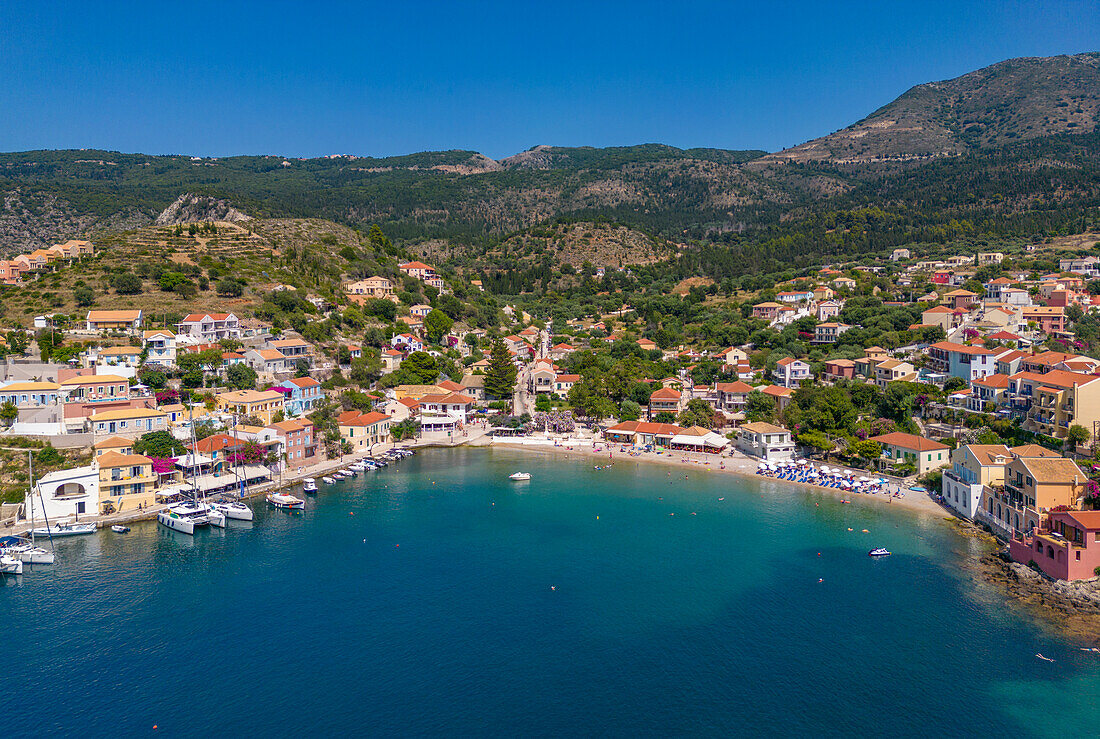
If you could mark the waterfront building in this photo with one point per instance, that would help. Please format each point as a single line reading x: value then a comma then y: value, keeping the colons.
x: 973, y: 466
x: 924, y: 454
x: 765, y: 441
x: 126, y: 481
x: 64, y: 494
x: 452, y: 404
x: 642, y: 433
x: 298, y: 442
x: 1066, y: 547
x: 1033, y: 486
x: 364, y: 430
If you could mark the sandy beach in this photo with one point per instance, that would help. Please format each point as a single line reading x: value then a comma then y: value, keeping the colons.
x: 738, y: 464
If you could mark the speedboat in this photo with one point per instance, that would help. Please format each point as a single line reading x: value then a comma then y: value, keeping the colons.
x: 309, y: 485
x: 119, y: 529
x: 286, y: 501
x: 9, y: 565
x: 184, y: 517
x: 880, y: 552
x: 64, y: 529
x: 232, y: 510
x: 328, y: 480
x: 520, y: 476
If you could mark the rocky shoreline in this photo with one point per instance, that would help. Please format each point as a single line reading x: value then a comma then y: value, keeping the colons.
x: 1073, y: 608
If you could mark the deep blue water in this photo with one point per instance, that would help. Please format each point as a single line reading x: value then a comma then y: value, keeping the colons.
x: 456, y: 602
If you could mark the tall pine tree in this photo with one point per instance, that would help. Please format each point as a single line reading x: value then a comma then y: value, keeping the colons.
x: 500, y: 380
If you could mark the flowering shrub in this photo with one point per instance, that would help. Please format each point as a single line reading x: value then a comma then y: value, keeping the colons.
x: 560, y: 422
x: 163, y: 465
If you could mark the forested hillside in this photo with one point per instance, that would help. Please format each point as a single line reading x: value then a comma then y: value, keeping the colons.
x: 1021, y: 159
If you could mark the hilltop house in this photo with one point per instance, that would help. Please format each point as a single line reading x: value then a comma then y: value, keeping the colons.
x: 124, y: 321
x: 790, y: 372
x: 206, y: 328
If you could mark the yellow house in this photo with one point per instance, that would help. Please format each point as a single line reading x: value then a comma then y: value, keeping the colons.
x: 364, y: 430
x: 126, y: 481
x: 263, y: 404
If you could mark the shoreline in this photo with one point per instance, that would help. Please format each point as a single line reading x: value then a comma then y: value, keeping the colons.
x: 739, y: 465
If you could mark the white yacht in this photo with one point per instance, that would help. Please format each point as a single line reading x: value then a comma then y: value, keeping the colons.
x: 64, y: 529
x: 520, y: 476
x: 232, y: 510
x: 328, y: 480
x: 309, y: 485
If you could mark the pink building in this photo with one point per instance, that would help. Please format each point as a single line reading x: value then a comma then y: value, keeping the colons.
x: 1067, y: 547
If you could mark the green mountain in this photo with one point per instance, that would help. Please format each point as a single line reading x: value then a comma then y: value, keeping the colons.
x: 1010, y: 101
x: 1009, y: 150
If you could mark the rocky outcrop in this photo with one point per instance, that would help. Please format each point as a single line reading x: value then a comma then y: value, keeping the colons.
x: 191, y: 208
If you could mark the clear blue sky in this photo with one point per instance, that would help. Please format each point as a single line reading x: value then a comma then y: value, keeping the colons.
x: 307, y: 79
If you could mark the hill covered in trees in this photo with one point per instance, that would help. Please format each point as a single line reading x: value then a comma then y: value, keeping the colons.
x: 1008, y: 151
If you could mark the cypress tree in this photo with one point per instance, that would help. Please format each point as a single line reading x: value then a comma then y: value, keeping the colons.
x: 500, y: 380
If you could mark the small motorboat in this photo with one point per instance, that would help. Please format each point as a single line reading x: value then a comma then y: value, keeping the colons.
x: 309, y: 485
x: 64, y: 529
x: 328, y: 480
x: 286, y: 501
x: 358, y: 466
x: 119, y: 529
x: 879, y: 552
x: 9, y: 565
x: 520, y: 476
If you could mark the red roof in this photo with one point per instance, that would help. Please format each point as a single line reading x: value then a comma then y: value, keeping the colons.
x: 665, y: 393
x: 645, y: 427
x: 365, y: 419
x: 733, y: 387
x: 909, y: 441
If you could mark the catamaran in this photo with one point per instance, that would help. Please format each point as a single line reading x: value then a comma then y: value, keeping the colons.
x: 183, y: 517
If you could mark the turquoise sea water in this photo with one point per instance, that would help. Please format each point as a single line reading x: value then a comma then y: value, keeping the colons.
x: 456, y: 602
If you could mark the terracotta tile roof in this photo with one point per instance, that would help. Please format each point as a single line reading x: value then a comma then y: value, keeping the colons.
x: 733, y: 387
x: 909, y: 441
x: 761, y: 427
